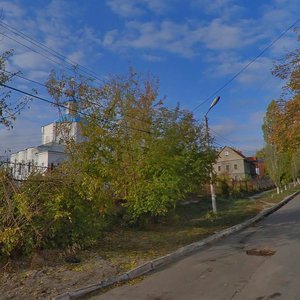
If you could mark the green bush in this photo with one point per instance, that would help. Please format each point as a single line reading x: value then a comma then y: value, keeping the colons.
x: 45, y: 212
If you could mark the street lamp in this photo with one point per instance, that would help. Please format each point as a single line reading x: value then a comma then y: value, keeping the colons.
x: 212, y: 189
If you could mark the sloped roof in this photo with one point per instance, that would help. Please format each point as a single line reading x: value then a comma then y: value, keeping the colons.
x: 234, y: 150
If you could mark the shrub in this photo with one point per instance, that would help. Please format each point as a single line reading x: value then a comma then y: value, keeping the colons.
x: 45, y: 211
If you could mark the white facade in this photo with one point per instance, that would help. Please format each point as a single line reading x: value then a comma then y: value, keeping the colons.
x: 51, y: 152
x: 61, y: 132
x: 23, y: 162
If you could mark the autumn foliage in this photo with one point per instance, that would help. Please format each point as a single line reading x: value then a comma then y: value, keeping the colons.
x: 282, y: 123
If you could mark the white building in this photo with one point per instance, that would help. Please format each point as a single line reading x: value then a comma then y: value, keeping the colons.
x: 52, y: 150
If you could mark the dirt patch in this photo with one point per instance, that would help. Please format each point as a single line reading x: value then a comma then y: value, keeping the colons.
x: 45, y: 276
x: 260, y: 252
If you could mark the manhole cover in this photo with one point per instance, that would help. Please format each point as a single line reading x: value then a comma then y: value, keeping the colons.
x: 260, y: 252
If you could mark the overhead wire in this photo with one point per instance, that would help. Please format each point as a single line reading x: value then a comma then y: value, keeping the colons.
x: 23, y: 77
x: 247, y: 65
x: 49, y: 50
x: 222, y: 137
x: 61, y: 105
x: 41, y: 84
x: 35, y: 51
x: 65, y: 59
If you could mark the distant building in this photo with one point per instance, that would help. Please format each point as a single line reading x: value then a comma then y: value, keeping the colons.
x: 51, y: 152
x: 235, y: 165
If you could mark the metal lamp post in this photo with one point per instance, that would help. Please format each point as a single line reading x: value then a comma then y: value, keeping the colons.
x: 212, y: 189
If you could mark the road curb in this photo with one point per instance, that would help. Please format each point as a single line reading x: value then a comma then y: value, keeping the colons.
x: 173, y: 256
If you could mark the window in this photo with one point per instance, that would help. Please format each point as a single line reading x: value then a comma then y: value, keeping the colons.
x: 219, y: 168
x: 226, y: 153
x: 227, y: 168
x: 20, y: 169
x: 235, y: 167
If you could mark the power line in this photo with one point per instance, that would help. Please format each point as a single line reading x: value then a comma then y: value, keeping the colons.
x: 63, y: 106
x: 58, y: 55
x: 43, y: 85
x: 23, y: 77
x: 247, y: 65
x: 224, y: 138
x: 35, y: 51
x: 48, y: 49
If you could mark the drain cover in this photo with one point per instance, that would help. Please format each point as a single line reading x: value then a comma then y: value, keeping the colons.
x: 260, y: 252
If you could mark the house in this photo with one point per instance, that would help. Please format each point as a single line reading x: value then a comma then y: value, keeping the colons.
x: 51, y: 152
x: 235, y: 165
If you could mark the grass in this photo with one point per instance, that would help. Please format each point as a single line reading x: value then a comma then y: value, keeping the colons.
x: 127, y: 248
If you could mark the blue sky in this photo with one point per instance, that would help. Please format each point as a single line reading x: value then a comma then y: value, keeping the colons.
x: 194, y: 47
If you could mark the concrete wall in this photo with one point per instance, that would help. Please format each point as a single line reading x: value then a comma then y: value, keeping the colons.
x: 61, y: 132
x: 48, y: 133
x: 67, y: 131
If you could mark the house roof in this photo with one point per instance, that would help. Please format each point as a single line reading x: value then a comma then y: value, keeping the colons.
x: 234, y: 150
x: 53, y: 146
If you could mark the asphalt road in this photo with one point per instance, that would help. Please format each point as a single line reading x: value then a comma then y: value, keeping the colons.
x: 226, y: 271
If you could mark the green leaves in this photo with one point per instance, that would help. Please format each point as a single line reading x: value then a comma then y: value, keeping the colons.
x: 136, y: 151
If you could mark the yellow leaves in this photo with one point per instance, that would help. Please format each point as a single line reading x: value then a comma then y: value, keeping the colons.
x: 9, y: 238
x: 23, y: 205
x: 282, y: 124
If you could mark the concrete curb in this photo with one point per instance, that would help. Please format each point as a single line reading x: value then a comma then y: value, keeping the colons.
x: 172, y: 257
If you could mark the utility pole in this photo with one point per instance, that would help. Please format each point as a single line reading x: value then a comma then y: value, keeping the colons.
x: 212, y: 189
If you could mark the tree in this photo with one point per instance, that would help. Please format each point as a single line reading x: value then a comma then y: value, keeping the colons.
x: 273, y: 126
x: 278, y: 165
x: 8, y: 110
x: 289, y: 69
x: 136, y: 152
x: 281, y: 126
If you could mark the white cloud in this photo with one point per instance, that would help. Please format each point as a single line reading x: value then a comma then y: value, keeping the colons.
x: 285, y: 45
x: 125, y: 8
x: 222, y: 8
x: 153, y: 58
x: 134, y: 8
x: 226, y: 128
x: 184, y: 39
x: 166, y: 35
x: 76, y: 56
x: 38, y: 75
x: 219, y: 35
x: 229, y: 28
x: 29, y: 60
x: 11, y: 10
x: 228, y: 64
x: 49, y: 24
x: 257, y: 117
